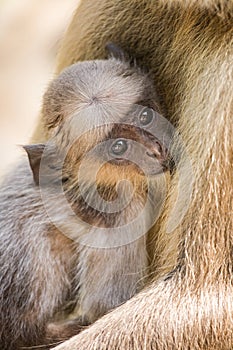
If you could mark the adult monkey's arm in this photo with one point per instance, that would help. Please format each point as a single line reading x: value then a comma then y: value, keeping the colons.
x: 189, y: 47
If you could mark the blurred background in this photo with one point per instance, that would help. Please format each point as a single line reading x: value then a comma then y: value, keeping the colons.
x: 30, y: 33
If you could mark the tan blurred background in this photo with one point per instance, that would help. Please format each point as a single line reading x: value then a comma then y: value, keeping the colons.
x: 30, y: 32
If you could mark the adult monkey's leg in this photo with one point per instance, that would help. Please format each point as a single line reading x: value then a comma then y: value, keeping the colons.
x: 189, y: 48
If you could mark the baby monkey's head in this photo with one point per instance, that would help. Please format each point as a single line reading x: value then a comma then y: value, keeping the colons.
x: 105, y: 116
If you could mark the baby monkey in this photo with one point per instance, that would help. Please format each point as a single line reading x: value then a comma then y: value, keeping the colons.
x: 73, y: 225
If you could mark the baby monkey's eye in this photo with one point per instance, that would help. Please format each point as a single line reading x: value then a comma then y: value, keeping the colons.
x: 146, y: 116
x: 119, y: 147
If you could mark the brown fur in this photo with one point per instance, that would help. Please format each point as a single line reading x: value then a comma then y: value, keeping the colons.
x: 188, y: 45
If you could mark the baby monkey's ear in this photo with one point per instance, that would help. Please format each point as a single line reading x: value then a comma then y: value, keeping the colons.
x: 117, y: 52
x: 34, y: 153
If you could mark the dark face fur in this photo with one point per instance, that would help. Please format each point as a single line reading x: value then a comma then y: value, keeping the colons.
x: 142, y: 140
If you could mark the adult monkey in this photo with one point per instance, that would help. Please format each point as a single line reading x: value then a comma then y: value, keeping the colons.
x: 188, y: 45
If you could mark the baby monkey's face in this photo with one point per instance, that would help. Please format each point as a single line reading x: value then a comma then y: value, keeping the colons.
x: 136, y: 148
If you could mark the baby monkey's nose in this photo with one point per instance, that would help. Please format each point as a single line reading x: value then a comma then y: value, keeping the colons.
x: 157, y: 150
